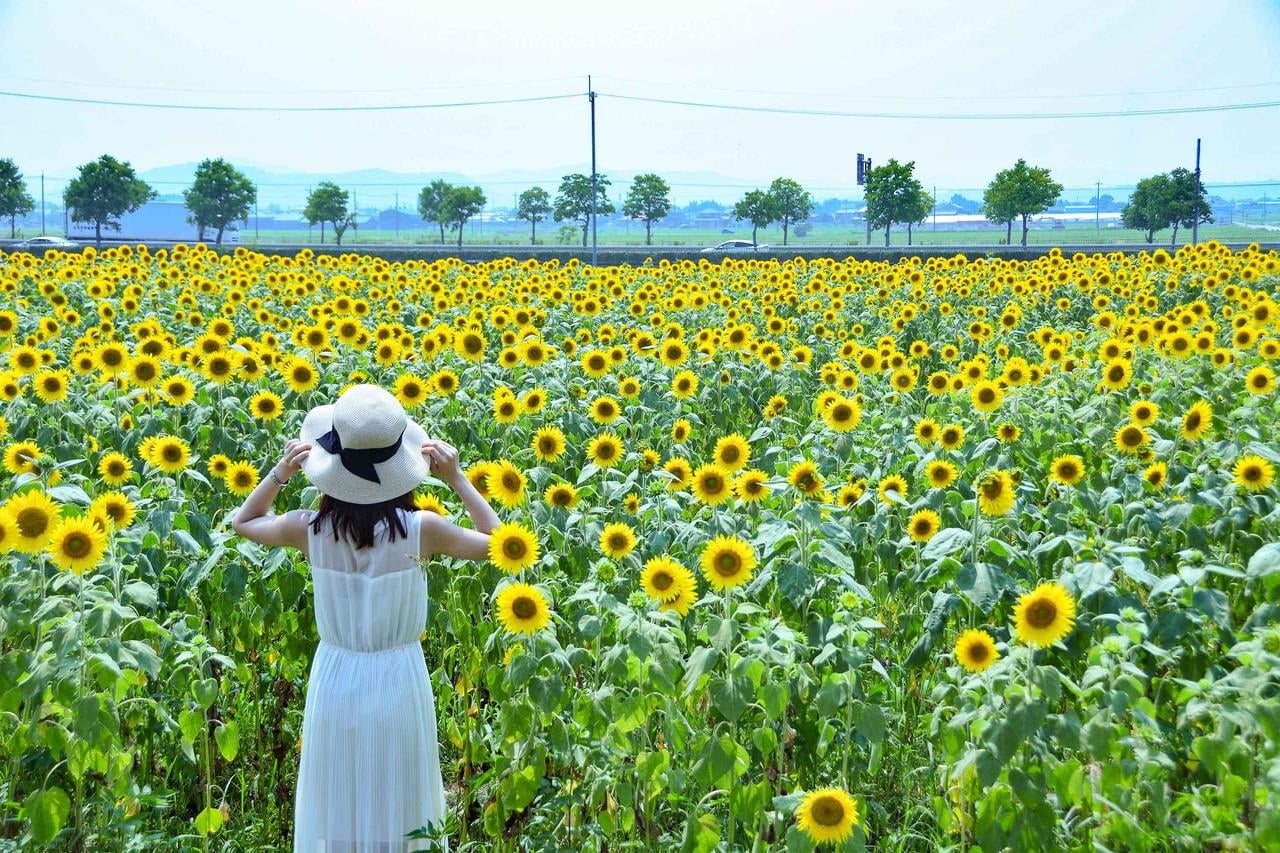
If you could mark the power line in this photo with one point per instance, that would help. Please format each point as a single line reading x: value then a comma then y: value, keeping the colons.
x: 278, y: 92
x: 887, y: 97
x: 266, y: 109
x: 949, y: 116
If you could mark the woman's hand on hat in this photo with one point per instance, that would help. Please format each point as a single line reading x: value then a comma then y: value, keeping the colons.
x: 291, y: 461
x: 443, y: 458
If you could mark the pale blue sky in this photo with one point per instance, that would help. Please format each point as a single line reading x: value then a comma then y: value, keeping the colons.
x: 933, y: 56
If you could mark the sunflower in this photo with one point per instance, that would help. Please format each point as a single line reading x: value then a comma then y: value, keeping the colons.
x: 561, y: 495
x: 1261, y: 380
x: 680, y: 472
x: 115, y: 468
x: 663, y: 578
x: 410, y: 390
x: 685, y: 597
x: 51, y: 385
x: 523, y: 609
x: 727, y: 562
x: 842, y: 415
x: 1067, y: 470
x: 116, y: 507
x: 995, y: 493
x: 533, y: 400
x: 750, y: 486
x: 76, y: 545
x: 1045, y: 615
x: 605, y: 450
x: 430, y: 503
x: 548, y: 443
x: 828, y: 814
x: 940, y: 473
x: 952, y: 436
x: 7, y: 530
x: 711, y: 484
x: 617, y: 540
x: 20, y: 457
x: 805, y: 478
x: 605, y: 410
x: 219, y: 464
x: 680, y: 431
x: 444, y: 382
x: 986, y: 396
x: 512, y: 547
x: 170, y: 454
x: 1253, y: 473
x: 1008, y: 432
x: 1197, y: 420
x: 506, y: 409
x: 1130, y: 438
x: 266, y: 406
x: 1144, y: 412
x: 241, y: 478
x: 976, y: 650
x: 684, y: 384
x: 301, y: 375
x: 507, y: 483
x: 924, y: 525
x: 179, y: 390
x: 893, y: 484
x: 732, y: 452
x: 1156, y: 474
x: 1116, y: 374
x: 34, y: 514
x: 927, y: 431
x: 112, y: 359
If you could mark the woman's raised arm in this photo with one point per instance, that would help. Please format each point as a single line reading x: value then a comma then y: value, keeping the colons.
x: 441, y: 536
x: 253, y: 521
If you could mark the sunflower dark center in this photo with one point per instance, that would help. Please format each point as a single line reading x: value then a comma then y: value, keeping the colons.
x: 524, y: 607
x: 727, y: 564
x: 514, y: 548
x: 1042, y: 613
x: 977, y: 652
x: 663, y: 580
x: 33, y: 522
x: 827, y: 811
x: 76, y: 545
x: 171, y: 453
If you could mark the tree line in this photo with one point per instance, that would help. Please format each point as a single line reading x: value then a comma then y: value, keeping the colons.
x: 221, y: 195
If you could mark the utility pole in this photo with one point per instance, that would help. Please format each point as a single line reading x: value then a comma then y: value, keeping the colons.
x: 591, y: 95
x: 1195, y: 221
x: 1097, y: 209
x: 42, y: 202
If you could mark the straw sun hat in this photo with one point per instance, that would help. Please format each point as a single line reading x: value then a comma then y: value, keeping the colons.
x: 364, y: 448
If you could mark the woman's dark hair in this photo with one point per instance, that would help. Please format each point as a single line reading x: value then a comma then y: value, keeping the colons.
x: 357, y: 522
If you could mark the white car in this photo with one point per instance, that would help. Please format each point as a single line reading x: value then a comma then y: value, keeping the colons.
x: 47, y: 242
x: 737, y: 246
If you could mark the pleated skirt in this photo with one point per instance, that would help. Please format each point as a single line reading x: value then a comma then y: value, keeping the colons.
x: 370, y: 768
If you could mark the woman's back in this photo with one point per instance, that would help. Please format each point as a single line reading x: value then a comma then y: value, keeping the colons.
x: 369, y: 599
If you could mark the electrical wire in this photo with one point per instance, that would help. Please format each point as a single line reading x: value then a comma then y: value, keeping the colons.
x: 279, y: 92
x: 268, y: 109
x: 948, y: 116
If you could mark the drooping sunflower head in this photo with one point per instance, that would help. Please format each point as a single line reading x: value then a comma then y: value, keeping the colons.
x: 1197, y: 420
x: 995, y: 493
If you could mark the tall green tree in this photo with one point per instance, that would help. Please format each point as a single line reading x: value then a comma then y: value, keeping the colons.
x: 648, y: 199
x: 1188, y: 203
x: 533, y: 206
x: 1028, y: 190
x: 997, y: 204
x: 15, y: 201
x: 220, y: 195
x: 328, y: 203
x: 573, y: 200
x: 893, y: 195
x: 460, y: 204
x: 791, y: 203
x: 431, y: 202
x: 756, y: 207
x: 103, y: 190
x: 1147, y: 208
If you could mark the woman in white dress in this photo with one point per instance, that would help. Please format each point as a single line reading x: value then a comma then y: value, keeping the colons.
x: 370, y: 768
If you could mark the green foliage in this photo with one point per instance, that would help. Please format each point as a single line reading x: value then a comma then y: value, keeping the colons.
x: 459, y: 205
x: 790, y: 203
x: 757, y: 207
x: 893, y: 194
x: 328, y: 203
x: 647, y: 199
x: 103, y: 190
x: 1166, y: 200
x: 15, y: 201
x: 533, y: 206
x: 218, y: 196
x: 573, y: 200
x: 431, y: 203
x: 1020, y: 191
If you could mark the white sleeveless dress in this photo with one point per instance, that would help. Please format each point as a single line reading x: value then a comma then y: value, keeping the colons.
x: 370, y: 768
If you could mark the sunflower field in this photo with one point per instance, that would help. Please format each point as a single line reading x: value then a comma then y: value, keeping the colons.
x: 840, y: 554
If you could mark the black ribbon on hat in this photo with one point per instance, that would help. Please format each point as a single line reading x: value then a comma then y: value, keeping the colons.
x: 359, y: 460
